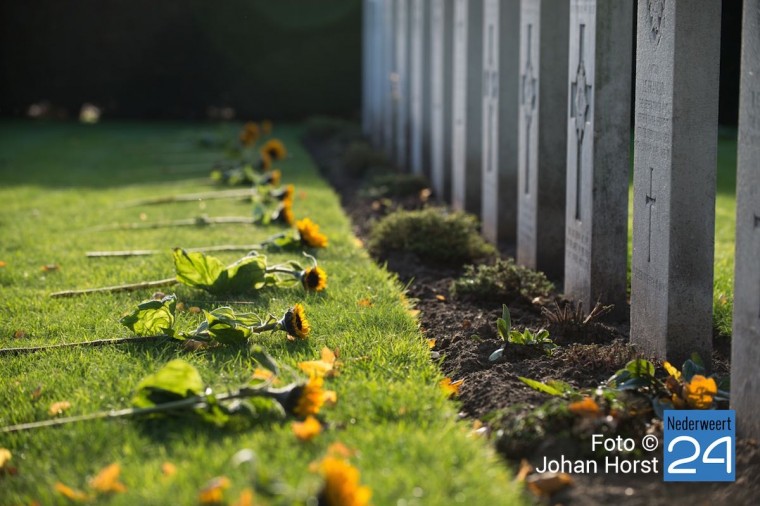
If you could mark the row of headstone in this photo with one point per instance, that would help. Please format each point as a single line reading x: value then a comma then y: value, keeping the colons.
x: 525, y: 119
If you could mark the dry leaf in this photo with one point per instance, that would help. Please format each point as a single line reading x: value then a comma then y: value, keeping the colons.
x: 180, y: 307
x: 308, y: 429
x: 451, y: 387
x: 49, y: 268
x: 262, y: 374
x: 414, y: 312
x: 195, y: 310
x: 57, y: 408
x: 358, y: 242
x: 548, y: 484
x: 245, y: 498
x: 5, y: 457
x: 168, y: 469
x: 441, y: 298
x: 20, y: 334
x: 325, y: 367
x: 36, y: 393
x: 70, y: 493
x: 364, y: 303
x: 525, y: 470
x: 143, y: 217
x: 107, y: 480
x: 585, y: 407
x: 2, y: 264
x: 213, y: 492
x: 338, y: 449
x: 431, y: 343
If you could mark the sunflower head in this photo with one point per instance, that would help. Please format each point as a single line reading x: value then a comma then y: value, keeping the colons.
x: 342, y: 485
x: 274, y: 178
x: 249, y: 134
x: 310, y: 398
x: 265, y: 161
x: 275, y: 149
x: 284, y: 213
x: 314, y: 279
x: 310, y: 235
x: 294, y: 322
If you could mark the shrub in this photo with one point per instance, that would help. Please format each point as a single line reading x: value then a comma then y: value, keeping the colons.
x: 504, y: 281
x: 432, y: 234
x: 359, y: 156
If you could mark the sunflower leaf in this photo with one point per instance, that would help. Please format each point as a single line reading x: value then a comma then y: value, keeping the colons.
x: 152, y: 317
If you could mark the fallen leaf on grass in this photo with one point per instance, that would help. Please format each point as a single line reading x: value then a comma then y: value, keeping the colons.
x: 20, y: 334
x: 364, y: 303
x: 107, y: 480
x: 358, y: 242
x: 525, y: 470
x: 414, y: 312
x: 180, y: 307
x: 50, y: 268
x: 195, y: 310
x: 451, y: 388
x: 36, y: 393
x: 213, y: 491
x: 262, y: 374
x: 548, y: 484
x: 70, y: 493
x: 245, y: 498
x: 326, y: 367
x: 308, y: 429
x: 585, y: 407
x: 5, y: 457
x: 168, y: 469
x: 57, y: 408
x: 431, y: 343
x: 2, y: 264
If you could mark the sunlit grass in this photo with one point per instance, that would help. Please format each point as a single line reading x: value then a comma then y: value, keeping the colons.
x: 62, y: 180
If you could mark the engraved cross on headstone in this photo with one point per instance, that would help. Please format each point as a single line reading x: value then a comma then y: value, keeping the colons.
x: 650, y: 201
x: 528, y: 100
x: 579, y: 107
x: 757, y: 227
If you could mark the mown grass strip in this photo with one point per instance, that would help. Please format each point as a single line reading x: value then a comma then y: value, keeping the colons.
x: 59, y: 180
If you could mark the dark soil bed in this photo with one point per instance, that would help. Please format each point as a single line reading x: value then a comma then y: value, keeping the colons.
x: 465, y: 336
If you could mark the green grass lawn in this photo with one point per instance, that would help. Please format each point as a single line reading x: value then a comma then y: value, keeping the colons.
x: 59, y: 181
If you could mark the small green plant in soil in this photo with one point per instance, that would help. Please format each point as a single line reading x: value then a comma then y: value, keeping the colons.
x: 573, y: 324
x: 393, y: 185
x: 525, y: 338
x: 502, y: 281
x: 433, y: 234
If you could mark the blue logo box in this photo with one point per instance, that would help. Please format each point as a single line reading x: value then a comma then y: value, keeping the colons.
x: 699, y: 445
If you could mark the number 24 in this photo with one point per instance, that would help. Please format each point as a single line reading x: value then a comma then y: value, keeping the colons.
x: 673, y: 467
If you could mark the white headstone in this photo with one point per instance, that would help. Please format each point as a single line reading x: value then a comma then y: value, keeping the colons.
x: 402, y: 82
x: 542, y: 140
x: 419, y: 84
x: 598, y: 140
x: 745, y: 341
x: 675, y: 157
x: 367, y: 60
x: 467, y: 106
x: 388, y: 87
x: 441, y: 42
x: 501, y: 55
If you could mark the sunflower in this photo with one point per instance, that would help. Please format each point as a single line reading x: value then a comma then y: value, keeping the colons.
x: 294, y: 322
x: 314, y: 279
x: 275, y: 149
x: 250, y: 133
x: 342, y: 486
x: 284, y: 213
x: 265, y: 161
x: 273, y: 178
x: 310, y: 235
x: 311, y: 397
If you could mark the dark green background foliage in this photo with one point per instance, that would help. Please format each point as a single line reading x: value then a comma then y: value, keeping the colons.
x: 278, y: 59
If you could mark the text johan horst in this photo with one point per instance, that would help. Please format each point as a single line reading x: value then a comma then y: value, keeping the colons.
x: 612, y: 463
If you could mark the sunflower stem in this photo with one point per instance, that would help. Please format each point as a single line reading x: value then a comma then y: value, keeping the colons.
x: 97, y: 342
x: 117, y: 288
